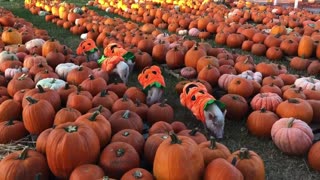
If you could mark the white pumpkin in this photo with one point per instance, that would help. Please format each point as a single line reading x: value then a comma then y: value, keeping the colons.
x: 308, y: 83
x: 6, y: 55
x: 51, y: 83
x: 256, y: 76
x: 84, y: 36
x: 63, y: 69
x: 182, y: 32
x: 38, y: 42
x: 10, y: 72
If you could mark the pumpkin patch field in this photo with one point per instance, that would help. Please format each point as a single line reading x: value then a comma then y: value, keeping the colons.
x: 162, y: 89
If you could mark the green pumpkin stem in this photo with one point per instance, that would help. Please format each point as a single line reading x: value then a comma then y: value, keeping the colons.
x: 263, y: 110
x: 31, y: 100
x: 120, y: 152
x: 40, y: 88
x: 94, y: 116
x: 293, y: 100
x: 126, y: 114
x: 53, y: 80
x: 290, y: 124
x: 194, y: 131
x: 126, y: 133
x: 212, y: 143
x: 124, y: 98
x: 71, y: 128
x: 174, y: 138
x: 103, y: 93
x: 10, y: 122
x: 79, y: 89
x: 23, y: 155
x: 100, y: 108
x: 244, y: 153
x: 105, y: 178
x: 67, y: 86
x: 137, y: 174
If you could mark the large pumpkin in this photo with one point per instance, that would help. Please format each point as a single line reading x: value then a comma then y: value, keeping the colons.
x: 292, y: 136
x: 178, y: 157
x: 268, y: 101
x: 193, y: 55
x: 71, y: 140
x: 26, y: 164
x: 236, y: 105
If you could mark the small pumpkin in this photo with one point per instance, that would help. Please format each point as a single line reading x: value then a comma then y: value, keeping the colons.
x: 221, y: 168
x: 260, y: 122
x: 87, y: 171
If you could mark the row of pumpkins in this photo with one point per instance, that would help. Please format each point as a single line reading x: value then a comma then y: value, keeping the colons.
x: 260, y: 170
x: 301, y: 43
x: 277, y: 31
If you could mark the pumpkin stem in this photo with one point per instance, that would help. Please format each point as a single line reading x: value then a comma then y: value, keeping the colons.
x: 40, y: 88
x: 124, y: 98
x: 244, y: 153
x: 80, y: 68
x: 120, y: 152
x: 103, y: 93
x: 293, y: 100
x: 99, y: 108
x: 78, y: 89
x: 37, y: 176
x: 67, y: 86
x: 71, y: 128
x: 105, y: 178
x: 137, y: 174
x: 174, y: 138
x: 126, y: 114
x: 299, y: 90
x: 163, y: 103
x: 263, y: 110
x: 234, y: 161
x: 311, y: 80
x: 91, y: 77
x: 212, y: 143
x: 126, y: 133
x: 235, y: 97
x: 94, y: 116
x: 53, y: 81
x: 40, y: 65
x: 138, y: 102
x: 23, y: 77
x: 10, y: 122
x: 194, y: 131
x: 290, y: 124
x: 31, y: 100
x: 23, y: 155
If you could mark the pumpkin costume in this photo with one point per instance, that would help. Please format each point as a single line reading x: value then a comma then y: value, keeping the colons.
x: 110, y: 63
x: 114, y: 49
x: 88, y: 47
x: 151, y: 76
x: 196, y: 98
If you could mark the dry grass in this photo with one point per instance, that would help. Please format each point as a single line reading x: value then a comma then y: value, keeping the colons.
x: 278, y: 165
x: 18, y: 145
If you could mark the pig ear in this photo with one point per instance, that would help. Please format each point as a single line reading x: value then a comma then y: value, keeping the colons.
x: 225, y: 113
x: 211, y: 115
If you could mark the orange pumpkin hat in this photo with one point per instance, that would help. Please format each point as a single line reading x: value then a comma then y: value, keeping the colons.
x: 114, y: 49
x: 109, y: 63
x: 151, y: 76
x: 85, y: 46
x: 196, y: 98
